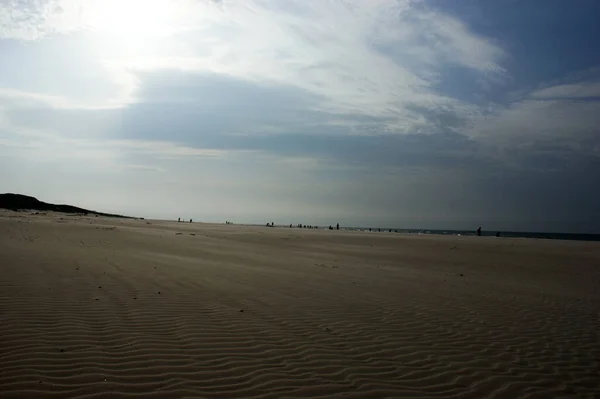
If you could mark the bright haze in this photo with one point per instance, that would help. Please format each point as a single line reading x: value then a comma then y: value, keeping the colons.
x: 392, y: 113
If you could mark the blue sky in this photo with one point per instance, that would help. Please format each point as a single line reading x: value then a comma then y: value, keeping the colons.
x: 400, y: 113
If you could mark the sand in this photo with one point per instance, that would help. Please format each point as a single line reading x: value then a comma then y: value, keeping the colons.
x: 108, y: 308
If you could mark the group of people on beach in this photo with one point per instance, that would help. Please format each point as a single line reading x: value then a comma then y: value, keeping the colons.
x: 304, y: 226
x: 337, y: 227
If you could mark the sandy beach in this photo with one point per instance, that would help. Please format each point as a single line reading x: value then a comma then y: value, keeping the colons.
x: 107, y: 308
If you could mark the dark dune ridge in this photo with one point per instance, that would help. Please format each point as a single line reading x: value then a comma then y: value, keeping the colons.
x: 21, y: 202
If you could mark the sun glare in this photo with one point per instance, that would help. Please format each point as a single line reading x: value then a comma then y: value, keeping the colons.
x: 129, y: 18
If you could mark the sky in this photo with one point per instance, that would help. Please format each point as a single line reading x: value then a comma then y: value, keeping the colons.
x: 446, y: 114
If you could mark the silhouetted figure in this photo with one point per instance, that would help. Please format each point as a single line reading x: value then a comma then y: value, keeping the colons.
x: 369, y: 229
x: 390, y: 230
x: 337, y: 227
x: 379, y: 230
x: 330, y: 227
x: 190, y: 220
x: 179, y: 219
x: 479, y: 231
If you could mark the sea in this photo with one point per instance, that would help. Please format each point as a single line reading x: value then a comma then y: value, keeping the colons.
x: 491, y: 233
x: 514, y: 234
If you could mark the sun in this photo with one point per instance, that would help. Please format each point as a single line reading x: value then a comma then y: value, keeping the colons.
x: 129, y: 18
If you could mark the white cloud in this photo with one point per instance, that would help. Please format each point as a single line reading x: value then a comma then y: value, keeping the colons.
x: 454, y: 42
x: 370, y: 58
x: 543, y: 119
x: 35, y: 19
x: 18, y: 98
x: 564, y: 115
x: 13, y: 98
x: 574, y: 90
x: 120, y: 149
x: 143, y: 168
x: 161, y: 149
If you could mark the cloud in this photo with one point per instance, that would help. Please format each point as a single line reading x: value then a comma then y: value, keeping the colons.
x: 554, y: 131
x: 209, y: 111
x: 564, y: 115
x: 22, y: 99
x: 62, y: 72
x: 580, y: 90
x: 531, y: 119
x: 367, y: 109
x: 143, y: 168
x: 371, y: 58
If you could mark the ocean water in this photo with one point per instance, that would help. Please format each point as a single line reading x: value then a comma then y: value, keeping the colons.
x: 520, y: 234
x: 490, y: 233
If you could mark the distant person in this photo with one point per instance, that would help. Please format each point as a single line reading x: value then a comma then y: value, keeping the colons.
x: 190, y: 220
x: 479, y: 231
x: 179, y: 219
x: 337, y: 227
x: 330, y: 227
x: 369, y: 229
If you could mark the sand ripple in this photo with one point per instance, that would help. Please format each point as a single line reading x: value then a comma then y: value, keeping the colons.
x: 228, y: 313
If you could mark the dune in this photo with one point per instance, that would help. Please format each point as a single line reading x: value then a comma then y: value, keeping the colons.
x: 97, y: 307
x: 18, y: 202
